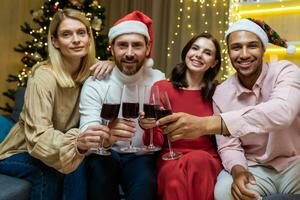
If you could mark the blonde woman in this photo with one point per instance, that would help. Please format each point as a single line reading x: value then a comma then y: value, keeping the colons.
x: 46, y: 144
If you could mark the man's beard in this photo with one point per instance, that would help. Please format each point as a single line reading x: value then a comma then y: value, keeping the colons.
x: 132, y: 70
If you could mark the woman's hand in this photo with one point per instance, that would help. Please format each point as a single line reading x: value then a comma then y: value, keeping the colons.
x: 92, y: 137
x: 101, y: 69
x: 146, y: 123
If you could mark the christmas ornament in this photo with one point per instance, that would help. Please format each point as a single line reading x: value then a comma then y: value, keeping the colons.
x: 25, y: 59
x: 54, y: 7
x: 37, y: 14
x: 94, y: 4
x: 77, y: 3
x: 96, y: 23
x: 37, y: 57
x: 39, y: 45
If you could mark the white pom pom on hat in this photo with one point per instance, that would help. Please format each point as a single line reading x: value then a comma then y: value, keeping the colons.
x: 291, y: 49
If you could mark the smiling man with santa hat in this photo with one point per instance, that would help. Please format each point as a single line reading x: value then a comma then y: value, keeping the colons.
x: 131, y: 43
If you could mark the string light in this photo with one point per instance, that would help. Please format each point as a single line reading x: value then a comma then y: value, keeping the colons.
x: 227, y: 69
x: 185, y: 21
x: 179, y: 17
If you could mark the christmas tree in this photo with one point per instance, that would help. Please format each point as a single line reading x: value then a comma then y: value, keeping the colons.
x: 35, y: 50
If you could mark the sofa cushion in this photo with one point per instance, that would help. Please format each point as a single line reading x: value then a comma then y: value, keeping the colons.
x: 283, y: 197
x: 19, y: 101
x: 5, y: 126
x: 14, y: 188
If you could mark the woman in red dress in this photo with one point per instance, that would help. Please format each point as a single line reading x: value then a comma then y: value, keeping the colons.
x: 190, y: 89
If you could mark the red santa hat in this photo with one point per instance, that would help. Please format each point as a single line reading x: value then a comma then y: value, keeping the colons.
x: 265, y: 33
x: 135, y: 22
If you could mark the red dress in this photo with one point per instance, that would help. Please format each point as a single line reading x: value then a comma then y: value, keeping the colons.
x: 193, y: 176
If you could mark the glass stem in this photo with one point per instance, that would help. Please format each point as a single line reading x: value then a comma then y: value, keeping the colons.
x: 170, y: 147
x: 105, y: 123
x: 151, y: 138
x: 130, y: 144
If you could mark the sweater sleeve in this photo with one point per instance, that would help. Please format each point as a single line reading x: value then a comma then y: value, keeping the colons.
x: 91, y: 99
x: 54, y: 147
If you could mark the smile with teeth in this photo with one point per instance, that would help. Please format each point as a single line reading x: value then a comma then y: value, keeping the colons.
x: 245, y: 63
x: 196, y: 62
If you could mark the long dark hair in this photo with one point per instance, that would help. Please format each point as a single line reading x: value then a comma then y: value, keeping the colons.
x: 178, y: 77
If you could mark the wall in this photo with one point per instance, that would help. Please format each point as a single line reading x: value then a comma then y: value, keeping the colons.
x: 13, y: 13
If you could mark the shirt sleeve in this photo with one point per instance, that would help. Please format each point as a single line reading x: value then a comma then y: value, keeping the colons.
x: 90, y: 106
x: 275, y: 114
x: 55, y: 148
x: 230, y: 149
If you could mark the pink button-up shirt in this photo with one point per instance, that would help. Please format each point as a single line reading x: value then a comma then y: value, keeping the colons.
x: 264, y: 122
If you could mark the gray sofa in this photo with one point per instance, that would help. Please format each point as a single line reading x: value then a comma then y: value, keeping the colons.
x: 14, y: 188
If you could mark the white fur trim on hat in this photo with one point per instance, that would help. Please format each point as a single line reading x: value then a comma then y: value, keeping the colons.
x: 149, y: 63
x: 130, y: 26
x: 247, y: 25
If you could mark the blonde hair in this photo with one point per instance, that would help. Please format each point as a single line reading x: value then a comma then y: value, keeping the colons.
x: 63, y: 77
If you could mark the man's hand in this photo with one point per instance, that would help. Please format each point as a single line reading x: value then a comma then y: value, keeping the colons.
x: 121, y: 129
x: 184, y: 126
x: 92, y: 137
x: 241, y: 177
x: 146, y: 123
x: 101, y: 69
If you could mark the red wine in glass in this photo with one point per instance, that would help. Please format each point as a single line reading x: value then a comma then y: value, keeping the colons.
x: 160, y: 113
x: 164, y: 109
x: 130, y: 110
x: 149, y: 110
x: 110, y: 111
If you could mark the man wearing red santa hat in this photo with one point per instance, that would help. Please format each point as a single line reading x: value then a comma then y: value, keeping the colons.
x: 131, y: 42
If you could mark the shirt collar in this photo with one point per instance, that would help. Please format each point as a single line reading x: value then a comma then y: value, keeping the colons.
x: 240, y: 89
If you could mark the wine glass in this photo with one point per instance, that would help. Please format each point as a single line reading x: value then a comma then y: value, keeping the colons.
x: 130, y: 110
x: 148, y: 107
x: 109, y: 111
x: 164, y: 109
